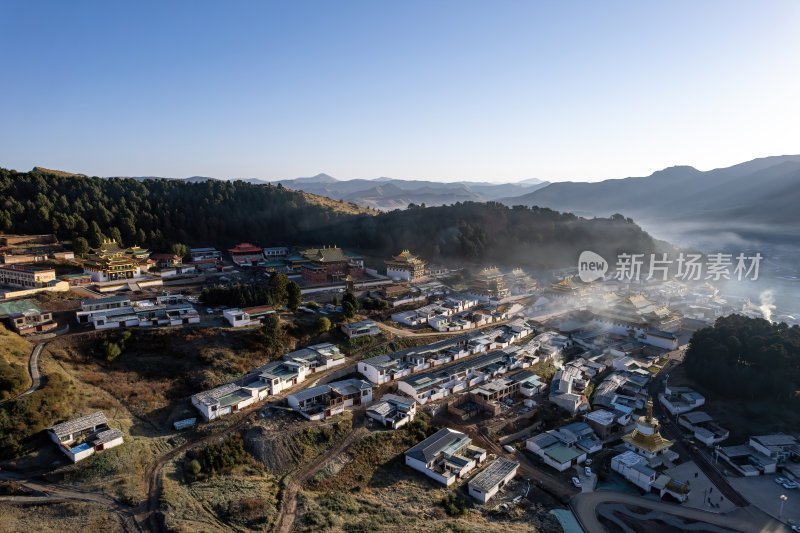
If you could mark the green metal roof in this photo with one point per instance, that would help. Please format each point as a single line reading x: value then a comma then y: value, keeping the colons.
x: 17, y: 307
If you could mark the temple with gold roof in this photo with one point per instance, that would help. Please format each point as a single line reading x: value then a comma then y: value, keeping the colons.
x: 646, y: 439
x: 110, y: 262
x: 489, y: 283
x: 405, y: 266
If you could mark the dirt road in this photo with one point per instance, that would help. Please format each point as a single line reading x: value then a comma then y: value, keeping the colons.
x: 287, y: 513
x: 33, y: 370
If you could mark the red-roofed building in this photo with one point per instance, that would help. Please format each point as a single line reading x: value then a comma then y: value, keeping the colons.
x: 246, y: 254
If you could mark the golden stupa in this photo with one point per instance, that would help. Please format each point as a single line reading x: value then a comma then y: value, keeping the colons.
x: 646, y: 438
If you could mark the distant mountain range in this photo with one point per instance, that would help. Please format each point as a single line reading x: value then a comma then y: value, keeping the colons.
x: 387, y: 193
x: 754, y: 201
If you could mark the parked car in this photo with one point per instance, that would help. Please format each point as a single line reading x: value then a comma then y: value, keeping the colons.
x: 587, y: 471
x: 209, y: 311
x: 588, y: 462
x: 780, y: 480
x: 576, y: 482
x: 508, y: 448
x: 789, y: 485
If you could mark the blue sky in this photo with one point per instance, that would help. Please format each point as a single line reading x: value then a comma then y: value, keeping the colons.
x: 455, y: 90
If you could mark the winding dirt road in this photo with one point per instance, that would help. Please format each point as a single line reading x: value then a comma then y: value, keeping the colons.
x: 33, y: 370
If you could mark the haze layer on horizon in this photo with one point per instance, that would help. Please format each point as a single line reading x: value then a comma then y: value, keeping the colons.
x: 446, y: 91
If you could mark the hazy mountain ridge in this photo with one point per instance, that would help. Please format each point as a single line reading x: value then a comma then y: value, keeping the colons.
x: 389, y: 193
x: 757, y: 199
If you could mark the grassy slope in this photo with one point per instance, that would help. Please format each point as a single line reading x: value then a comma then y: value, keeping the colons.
x: 14, y: 352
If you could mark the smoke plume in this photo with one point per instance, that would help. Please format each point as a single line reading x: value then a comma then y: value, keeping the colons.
x: 767, y: 306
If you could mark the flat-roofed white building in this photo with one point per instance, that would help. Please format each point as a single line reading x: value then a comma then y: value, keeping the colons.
x: 363, y: 328
x: 90, y: 433
x: 487, y: 483
x: 703, y: 427
x: 678, y: 400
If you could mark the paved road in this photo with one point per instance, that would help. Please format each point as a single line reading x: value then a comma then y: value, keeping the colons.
x: 747, y: 519
x: 33, y: 370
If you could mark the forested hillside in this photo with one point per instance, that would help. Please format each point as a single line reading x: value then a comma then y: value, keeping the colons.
x: 491, y: 233
x: 159, y: 213
x: 746, y: 358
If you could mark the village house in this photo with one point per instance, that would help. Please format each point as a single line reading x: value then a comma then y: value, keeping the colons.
x: 440, y: 382
x: 88, y: 434
x: 317, y: 357
x: 119, y: 311
x: 567, y: 389
x: 364, y: 328
x: 275, y: 251
x: 703, y: 427
x: 77, y: 280
x: 606, y: 423
x: 385, y: 368
x: 167, y: 260
x: 405, y: 266
x: 249, y: 315
x: 635, y: 469
x: 205, y: 258
x: 779, y: 446
x: 445, y: 456
x: 679, y: 400
x: 25, y: 317
x: 566, y: 446
x: 486, y: 484
x: 90, y: 307
x: 398, y: 295
x: 530, y: 384
x: 439, y: 309
x: 110, y: 262
x: 24, y: 280
x: 323, y: 401
x: 267, y: 380
x: 393, y: 410
x: 224, y: 400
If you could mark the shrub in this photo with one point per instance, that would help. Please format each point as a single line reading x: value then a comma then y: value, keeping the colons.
x: 323, y: 324
x: 455, y: 505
